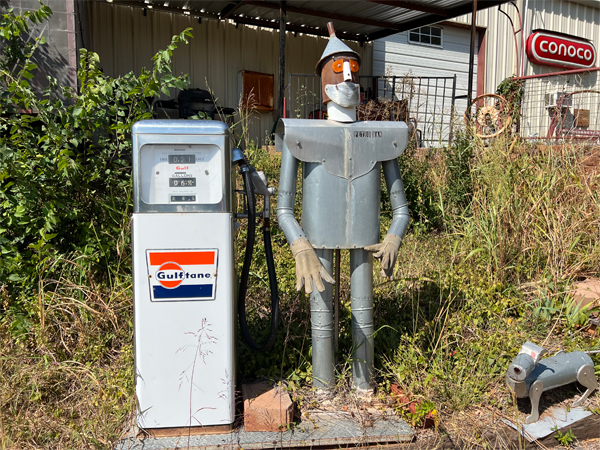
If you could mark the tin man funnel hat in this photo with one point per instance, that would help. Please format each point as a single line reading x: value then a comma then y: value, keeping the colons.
x: 334, y: 47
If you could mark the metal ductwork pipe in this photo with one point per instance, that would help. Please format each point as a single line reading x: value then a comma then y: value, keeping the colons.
x: 321, y: 313
x: 361, y: 282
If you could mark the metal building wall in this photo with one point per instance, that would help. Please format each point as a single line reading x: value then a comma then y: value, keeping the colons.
x: 556, y: 15
x: 394, y: 55
x: 565, y: 17
x: 57, y: 58
x: 500, y: 51
x: 570, y: 17
x: 126, y: 40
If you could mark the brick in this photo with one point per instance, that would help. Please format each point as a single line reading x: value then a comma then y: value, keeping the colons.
x: 266, y: 408
x: 587, y: 292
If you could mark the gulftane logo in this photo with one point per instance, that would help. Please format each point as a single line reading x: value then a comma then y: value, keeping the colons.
x: 182, y: 274
x: 171, y: 275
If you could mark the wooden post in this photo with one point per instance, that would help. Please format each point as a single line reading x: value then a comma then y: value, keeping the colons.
x: 280, y: 105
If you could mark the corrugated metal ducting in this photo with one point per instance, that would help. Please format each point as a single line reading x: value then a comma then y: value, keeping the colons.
x: 126, y: 39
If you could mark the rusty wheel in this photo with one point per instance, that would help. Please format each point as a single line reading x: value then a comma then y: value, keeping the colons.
x: 488, y: 115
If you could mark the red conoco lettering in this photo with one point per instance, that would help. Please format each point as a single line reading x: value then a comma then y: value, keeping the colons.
x: 553, y: 50
x: 572, y: 54
x: 587, y: 54
x: 545, y: 50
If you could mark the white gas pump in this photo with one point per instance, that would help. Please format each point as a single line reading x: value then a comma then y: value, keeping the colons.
x: 185, y: 282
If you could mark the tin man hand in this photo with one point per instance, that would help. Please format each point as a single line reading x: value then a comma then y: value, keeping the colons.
x: 308, y: 267
x: 386, y: 252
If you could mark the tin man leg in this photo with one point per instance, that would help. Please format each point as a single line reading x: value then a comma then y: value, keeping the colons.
x: 321, y: 312
x: 361, y: 291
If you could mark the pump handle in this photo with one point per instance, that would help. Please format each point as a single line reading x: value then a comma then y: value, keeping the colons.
x: 249, y: 175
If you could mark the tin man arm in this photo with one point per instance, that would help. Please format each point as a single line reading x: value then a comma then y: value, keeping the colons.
x: 308, y: 265
x: 387, y: 250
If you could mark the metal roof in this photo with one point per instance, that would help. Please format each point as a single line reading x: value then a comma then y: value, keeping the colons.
x: 358, y: 20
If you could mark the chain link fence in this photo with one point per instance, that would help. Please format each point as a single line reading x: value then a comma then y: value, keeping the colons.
x: 561, y: 106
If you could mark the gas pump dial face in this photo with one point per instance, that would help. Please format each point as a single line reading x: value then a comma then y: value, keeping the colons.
x: 181, y: 174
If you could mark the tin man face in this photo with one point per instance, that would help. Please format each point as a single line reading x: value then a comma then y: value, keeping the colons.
x: 339, y: 81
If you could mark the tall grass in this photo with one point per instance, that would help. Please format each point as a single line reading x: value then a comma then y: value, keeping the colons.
x: 535, y: 213
x: 490, y: 220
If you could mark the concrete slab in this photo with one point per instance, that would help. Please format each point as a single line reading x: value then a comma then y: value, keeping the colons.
x: 322, y: 430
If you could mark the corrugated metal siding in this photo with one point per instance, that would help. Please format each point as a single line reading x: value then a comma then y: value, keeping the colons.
x: 566, y: 17
x: 555, y: 15
x: 500, y: 61
x: 394, y: 55
x: 126, y: 40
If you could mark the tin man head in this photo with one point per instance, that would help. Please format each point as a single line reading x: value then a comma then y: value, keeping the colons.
x: 338, y: 69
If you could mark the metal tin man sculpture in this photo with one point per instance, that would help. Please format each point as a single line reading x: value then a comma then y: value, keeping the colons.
x: 341, y: 161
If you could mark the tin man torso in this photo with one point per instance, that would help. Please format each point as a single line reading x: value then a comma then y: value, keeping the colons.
x: 341, y: 176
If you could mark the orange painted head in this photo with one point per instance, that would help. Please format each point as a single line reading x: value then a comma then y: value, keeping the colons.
x: 338, y: 69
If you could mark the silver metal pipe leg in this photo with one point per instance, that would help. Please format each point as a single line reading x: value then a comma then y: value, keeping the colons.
x: 321, y: 314
x: 361, y: 291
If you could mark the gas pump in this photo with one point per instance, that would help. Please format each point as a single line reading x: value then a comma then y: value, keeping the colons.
x: 185, y: 283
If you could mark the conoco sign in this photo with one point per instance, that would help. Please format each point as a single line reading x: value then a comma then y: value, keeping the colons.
x: 558, y: 50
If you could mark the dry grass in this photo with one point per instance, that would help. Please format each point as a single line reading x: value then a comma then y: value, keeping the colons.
x: 535, y: 212
x: 68, y: 382
x: 460, y: 307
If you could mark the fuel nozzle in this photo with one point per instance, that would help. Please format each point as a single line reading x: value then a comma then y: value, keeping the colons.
x: 259, y: 181
x: 238, y: 157
x: 255, y: 182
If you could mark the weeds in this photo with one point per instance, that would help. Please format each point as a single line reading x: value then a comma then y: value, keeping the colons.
x: 499, y: 231
x: 565, y: 439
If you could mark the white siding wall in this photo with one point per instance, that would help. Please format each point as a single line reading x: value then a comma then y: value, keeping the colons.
x: 394, y: 55
x: 126, y: 40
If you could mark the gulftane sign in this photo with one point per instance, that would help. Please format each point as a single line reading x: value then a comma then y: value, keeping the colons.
x: 176, y: 275
x: 553, y: 49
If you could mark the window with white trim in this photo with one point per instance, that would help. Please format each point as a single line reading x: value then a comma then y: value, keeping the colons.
x: 426, y: 36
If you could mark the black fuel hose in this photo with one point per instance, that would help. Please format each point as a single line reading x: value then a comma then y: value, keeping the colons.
x: 250, y: 240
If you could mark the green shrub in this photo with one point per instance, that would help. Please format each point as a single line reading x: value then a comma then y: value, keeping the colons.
x: 65, y: 168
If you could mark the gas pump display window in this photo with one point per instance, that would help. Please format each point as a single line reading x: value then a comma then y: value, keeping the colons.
x: 182, y: 182
x: 182, y: 159
x: 181, y: 173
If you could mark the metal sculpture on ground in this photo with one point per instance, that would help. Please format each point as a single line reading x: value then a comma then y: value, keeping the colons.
x: 341, y: 161
x: 528, y: 376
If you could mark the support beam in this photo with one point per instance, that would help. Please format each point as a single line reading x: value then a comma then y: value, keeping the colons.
x: 162, y: 8
x: 298, y: 29
x: 414, y: 6
x: 327, y: 15
x: 428, y: 20
x: 420, y: 22
x: 230, y: 9
x: 472, y: 54
x: 282, y: 12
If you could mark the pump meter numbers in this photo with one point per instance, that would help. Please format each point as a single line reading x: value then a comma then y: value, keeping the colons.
x: 182, y: 182
x: 182, y: 159
x: 182, y: 198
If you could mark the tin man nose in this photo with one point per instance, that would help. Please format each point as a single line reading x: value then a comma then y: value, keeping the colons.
x: 347, y: 71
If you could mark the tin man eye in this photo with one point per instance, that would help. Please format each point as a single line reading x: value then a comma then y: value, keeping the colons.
x: 354, y: 66
x: 338, y: 66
